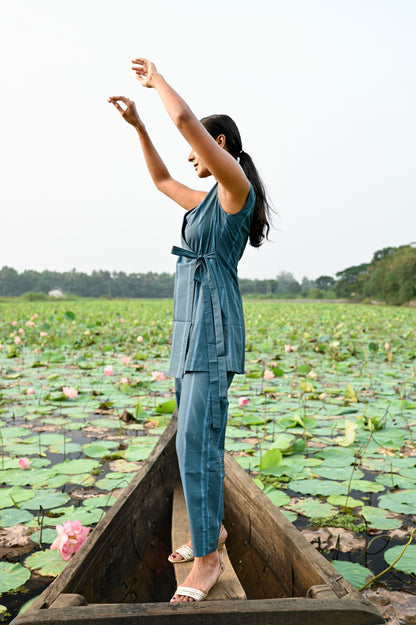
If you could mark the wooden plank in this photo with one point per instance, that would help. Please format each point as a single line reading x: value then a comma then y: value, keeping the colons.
x: 228, y: 585
x: 269, y: 533
x: 266, y: 612
x: 66, y: 600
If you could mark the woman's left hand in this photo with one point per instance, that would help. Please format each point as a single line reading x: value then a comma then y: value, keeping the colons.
x: 145, y: 71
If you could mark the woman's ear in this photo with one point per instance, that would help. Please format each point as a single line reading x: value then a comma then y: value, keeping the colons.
x: 221, y: 140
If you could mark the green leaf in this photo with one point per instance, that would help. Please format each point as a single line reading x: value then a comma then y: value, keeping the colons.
x: 74, y: 467
x: 278, y: 497
x: 314, y: 508
x: 166, y: 407
x: 402, y: 502
x: 356, y: 574
x: 70, y: 315
x: 318, y: 487
x: 48, y: 563
x: 343, y: 500
x: 12, y: 575
x: 12, y: 516
x: 407, y: 562
x: 46, y: 499
x: 350, y: 394
x: 270, y: 461
x: 136, y: 453
x: 377, y: 518
x: 364, y: 486
x: 16, y: 495
x: 99, y: 449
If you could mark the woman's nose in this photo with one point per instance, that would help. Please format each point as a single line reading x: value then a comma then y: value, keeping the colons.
x: 191, y: 156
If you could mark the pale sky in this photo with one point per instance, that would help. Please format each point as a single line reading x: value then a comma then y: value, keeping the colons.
x: 323, y: 92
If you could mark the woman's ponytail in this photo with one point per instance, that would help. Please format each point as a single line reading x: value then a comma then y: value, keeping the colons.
x: 223, y: 125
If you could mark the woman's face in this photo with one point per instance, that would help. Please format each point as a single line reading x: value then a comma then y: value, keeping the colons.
x: 200, y: 168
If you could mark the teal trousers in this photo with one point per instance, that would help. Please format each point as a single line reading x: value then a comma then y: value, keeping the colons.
x: 200, y: 450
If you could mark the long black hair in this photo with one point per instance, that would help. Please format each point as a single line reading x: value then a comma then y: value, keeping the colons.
x: 223, y: 125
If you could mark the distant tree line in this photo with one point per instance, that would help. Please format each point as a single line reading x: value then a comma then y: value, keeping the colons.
x: 390, y: 277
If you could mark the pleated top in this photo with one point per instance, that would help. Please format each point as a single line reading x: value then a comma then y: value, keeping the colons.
x: 208, y: 330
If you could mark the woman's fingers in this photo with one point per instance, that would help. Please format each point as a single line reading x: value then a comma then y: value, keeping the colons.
x: 119, y: 97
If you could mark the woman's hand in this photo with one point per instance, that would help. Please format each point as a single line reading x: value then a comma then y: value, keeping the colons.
x: 145, y: 71
x: 130, y: 113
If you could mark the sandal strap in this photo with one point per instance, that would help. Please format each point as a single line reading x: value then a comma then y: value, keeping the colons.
x: 194, y: 593
x: 186, y: 552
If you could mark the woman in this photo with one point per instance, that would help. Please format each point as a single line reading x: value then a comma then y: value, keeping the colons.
x: 208, y: 335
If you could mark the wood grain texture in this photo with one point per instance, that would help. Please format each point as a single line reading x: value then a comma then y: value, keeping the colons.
x: 228, y: 585
x: 265, y: 612
x: 283, y: 549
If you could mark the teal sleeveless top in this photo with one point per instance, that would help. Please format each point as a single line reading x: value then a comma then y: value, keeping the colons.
x: 208, y: 328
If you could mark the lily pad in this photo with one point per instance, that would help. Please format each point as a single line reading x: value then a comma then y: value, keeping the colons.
x: 13, y: 516
x: 378, y: 518
x: 343, y: 500
x: 12, y: 575
x: 407, y: 562
x: 9, y: 497
x: 100, y: 449
x: 74, y: 467
x: 278, y: 497
x: 403, y: 501
x: 270, y: 461
x: 356, y: 574
x: 48, y: 563
x: 318, y: 487
x: 313, y: 508
x: 47, y: 499
x: 364, y: 485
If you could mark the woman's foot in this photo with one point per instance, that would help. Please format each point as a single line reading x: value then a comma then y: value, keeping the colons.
x: 177, y: 557
x: 204, y: 576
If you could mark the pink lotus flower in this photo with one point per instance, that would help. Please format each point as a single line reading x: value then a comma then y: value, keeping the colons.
x: 30, y: 391
x: 35, y: 316
x: 158, y: 376
x: 294, y: 348
x: 70, y: 392
x: 124, y: 380
x: 30, y: 324
x: 313, y: 375
x: 71, y: 535
x: 24, y: 463
x: 122, y: 320
x: 140, y: 339
x: 43, y: 334
x: 108, y: 370
x: 125, y: 360
x: 243, y: 401
x: 323, y: 396
x: 87, y: 332
x: 14, y: 323
x: 287, y: 349
x: 17, y: 340
x: 387, y: 346
x: 21, y: 331
x: 268, y: 375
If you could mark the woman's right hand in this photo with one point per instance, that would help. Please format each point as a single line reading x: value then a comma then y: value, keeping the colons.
x: 130, y: 113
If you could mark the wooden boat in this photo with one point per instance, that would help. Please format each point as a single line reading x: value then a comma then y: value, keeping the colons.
x: 121, y: 574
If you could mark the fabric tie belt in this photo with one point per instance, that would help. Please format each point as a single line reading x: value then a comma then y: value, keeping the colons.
x: 217, y: 362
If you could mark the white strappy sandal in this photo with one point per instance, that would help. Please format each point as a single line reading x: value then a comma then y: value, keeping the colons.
x: 187, y: 554
x: 195, y: 593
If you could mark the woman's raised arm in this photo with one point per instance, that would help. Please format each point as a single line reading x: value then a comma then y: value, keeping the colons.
x: 233, y: 187
x: 180, y: 193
